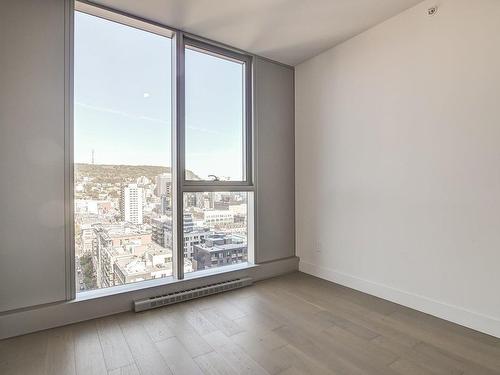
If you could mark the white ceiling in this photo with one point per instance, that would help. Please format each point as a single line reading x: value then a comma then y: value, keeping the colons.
x: 288, y: 31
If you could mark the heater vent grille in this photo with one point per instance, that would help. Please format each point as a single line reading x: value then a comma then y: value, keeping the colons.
x: 184, y: 295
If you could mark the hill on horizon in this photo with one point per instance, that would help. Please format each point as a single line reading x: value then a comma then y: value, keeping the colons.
x: 118, y: 173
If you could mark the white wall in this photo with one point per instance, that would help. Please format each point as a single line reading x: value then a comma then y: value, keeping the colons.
x: 398, y: 162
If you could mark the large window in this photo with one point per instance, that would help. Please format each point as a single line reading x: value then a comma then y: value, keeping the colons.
x: 122, y: 130
x: 162, y: 160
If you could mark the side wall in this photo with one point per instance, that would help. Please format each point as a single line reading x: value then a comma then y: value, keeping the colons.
x: 398, y: 162
x: 32, y: 97
x: 275, y: 179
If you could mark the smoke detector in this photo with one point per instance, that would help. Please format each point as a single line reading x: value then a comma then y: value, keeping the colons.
x: 432, y: 10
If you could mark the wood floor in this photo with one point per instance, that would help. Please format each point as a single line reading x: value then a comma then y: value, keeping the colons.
x: 295, y: 324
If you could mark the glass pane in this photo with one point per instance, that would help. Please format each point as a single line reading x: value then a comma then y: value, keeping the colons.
x: 215, y: 229
x: 122, y: 153
x: 214, y: 117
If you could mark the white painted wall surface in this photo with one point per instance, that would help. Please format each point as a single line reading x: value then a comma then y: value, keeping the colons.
x: 398, y: 162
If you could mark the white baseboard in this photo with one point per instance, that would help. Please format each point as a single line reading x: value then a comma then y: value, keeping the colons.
x: 58, y: 314
x: 455, y: 314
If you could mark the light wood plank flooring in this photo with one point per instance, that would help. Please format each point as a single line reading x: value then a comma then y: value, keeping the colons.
x: 294, y: 324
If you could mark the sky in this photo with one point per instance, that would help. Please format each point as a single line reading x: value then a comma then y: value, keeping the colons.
x: 122, y: 101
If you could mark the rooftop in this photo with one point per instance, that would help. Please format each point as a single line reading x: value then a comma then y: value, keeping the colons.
x: 122, y: 229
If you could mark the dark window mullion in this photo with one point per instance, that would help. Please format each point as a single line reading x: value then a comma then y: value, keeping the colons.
x: 178, y: 154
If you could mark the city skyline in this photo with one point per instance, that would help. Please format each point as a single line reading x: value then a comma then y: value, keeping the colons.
x: 124, y: 230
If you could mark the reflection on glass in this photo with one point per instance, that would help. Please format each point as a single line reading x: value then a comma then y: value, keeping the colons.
x: 122, y: 154
x: 214, y: 117
x: 215, y: 229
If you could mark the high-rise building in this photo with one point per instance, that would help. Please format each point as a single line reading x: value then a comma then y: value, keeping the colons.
x: 164, y: 204
x: 163, y: 184
x: 86, y: 238
x: 209, y: 200
x: 131, y: 204
x: 191, y: 199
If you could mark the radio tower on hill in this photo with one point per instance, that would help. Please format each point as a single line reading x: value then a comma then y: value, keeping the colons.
x: 93, y: 151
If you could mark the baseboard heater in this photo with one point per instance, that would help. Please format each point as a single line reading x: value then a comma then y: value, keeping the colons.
x: 184, y: 295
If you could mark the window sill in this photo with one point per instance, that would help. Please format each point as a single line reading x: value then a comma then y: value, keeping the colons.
x: 167, y: 281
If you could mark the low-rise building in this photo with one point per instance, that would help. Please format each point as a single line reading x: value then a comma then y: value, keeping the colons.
x: 112, y: 242
x: 193, y: 235
x: 213, y: 218
x: 219, y: 250
x: 156, y: 262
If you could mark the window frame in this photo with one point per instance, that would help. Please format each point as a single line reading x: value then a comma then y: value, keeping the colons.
x: 180, y: 41
x: 246, y: 61
x: 183, y: 41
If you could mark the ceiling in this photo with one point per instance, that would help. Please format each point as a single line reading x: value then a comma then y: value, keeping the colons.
x: 288, y: 31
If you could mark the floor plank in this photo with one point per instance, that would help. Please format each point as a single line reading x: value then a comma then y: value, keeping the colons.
x: 194, y: 343
x: 177, y: 358
x: 260, y: 346
x: 435, y: 366
x: 404, y: 367
x: 115, y: 349
x: 146, y: 355
x: 214, y: 364
x: 196, y: 319
x: 221, y: 321
x: 24, y: 355
x: 89, y: 358
x: 444, y: 356
x: 156, y: 326
x: 127, y: 370
x: 60, y: 358
x: 234, y: 355
x: 301, y: 362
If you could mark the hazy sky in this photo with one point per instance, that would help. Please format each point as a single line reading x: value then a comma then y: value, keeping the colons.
x: 123, y: 101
